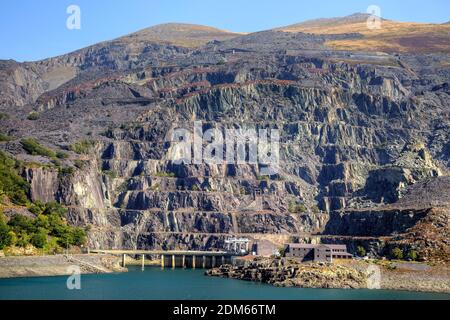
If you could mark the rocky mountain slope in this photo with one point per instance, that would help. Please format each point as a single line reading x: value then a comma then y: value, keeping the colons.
x: 184, y: 35
x: 390, y: 36
x: 356, y: 129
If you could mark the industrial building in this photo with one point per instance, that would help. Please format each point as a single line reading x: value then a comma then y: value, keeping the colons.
x: 316, y: 252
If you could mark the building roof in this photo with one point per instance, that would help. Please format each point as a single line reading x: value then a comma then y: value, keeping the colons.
x: 313, y: 246
x: 337, y: 246
x: 302, y: 245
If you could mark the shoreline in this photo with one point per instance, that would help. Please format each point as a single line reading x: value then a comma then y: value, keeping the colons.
x: 352, y: 275
x: 398, y: 276
x: 57, y: 265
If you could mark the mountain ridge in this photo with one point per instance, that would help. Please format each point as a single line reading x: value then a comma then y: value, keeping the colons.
x: 92, y: 131
x: 194, y: 35
x: 183, y: 34
x: 388, y: 36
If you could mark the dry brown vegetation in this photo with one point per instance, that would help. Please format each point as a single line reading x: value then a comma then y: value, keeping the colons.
x: 391, y: 37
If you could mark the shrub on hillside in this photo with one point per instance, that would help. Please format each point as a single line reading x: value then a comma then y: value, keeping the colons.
x: 360, y: 251
x: 39, y: 238
x: 5, y: 137
x: 397, y: 253
x: 5, y: 235
x: 33, y: 116
x: 33, y: 147
x: 12, y: 185
x: 413, y: 255
x: 48, y: 230
x: 296, y: 207
x: 82, y: 146
x: 61, y: 155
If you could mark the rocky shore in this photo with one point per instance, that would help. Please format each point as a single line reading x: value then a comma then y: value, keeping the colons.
x: 288, y: 273
x: 36, y: 266
x: 341, y: 275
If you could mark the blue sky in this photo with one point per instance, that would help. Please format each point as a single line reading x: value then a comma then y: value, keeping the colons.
x: 32, y: 30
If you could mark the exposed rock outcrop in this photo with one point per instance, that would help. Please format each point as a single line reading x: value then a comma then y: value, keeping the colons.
x: 286, y: 273
x: 356, y: 131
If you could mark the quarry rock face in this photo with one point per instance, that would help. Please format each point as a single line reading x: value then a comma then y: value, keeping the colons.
x: 356, y: 131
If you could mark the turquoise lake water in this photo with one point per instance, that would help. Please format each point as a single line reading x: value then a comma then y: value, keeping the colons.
x: 179, y: 284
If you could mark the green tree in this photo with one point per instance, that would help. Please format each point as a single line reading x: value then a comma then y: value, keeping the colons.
x: 23, y: 239
x: 11, y: 183
x: 5, y: 236
x: 39, y: 239
x: 78, y: 237
x: 361, y: 252
x: 57, y: 226
x: 52, y: 246
x: 21, y: 223
x: 55, y: 208
x: 397, y: 253
x: 48, y: 230
x: 41, y: 221
x: 13, y: 236
x: 49, y: 208
x: 36, y: 208
x: 65, y: 236
x: 413, y: 255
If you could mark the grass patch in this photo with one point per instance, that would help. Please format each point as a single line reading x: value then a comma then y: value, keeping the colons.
x: 110, y: 173
x: 297, y: 207
x: 165, y: 175
x: 155, y: 187
x: 33, y: 116
x: 33, y: 147
x: 66, y: 171
x: 5, y: 137
x: 62, y: 155
x: 83, y: 146
x: 80, y: 164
